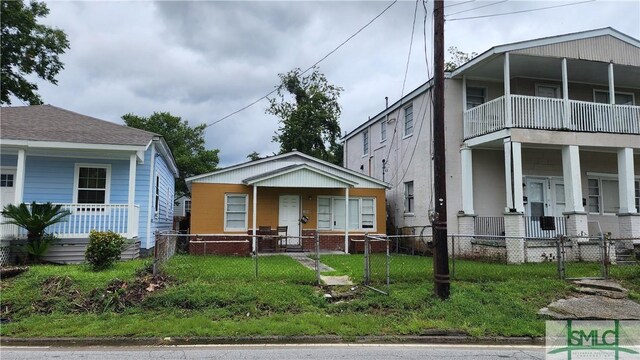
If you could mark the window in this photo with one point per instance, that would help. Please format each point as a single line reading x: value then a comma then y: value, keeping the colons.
x: 603, y: 195
x: 6, y: 180
x: 365, y: 142
x: 235, y: 213
x: 331, y: 213
x: 475, y: 96
x: 408, y: 120
x: 637, y: 196
x: 383, y: 130
x: 324, y: 213
x: 92, y: 184
x: 157, y: 197
x: 408, y: 197
x: 602, y: 96
x: 187, y: 207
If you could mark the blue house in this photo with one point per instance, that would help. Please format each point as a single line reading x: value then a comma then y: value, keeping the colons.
x: 110, y: 176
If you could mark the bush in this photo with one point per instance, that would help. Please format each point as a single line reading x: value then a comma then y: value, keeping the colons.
x: 104, y: 249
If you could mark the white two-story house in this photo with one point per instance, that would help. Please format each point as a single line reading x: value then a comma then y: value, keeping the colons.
x: 544, y: 127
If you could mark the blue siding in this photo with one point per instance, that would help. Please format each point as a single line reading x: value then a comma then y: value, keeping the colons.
x: 143, y: 175
x: 163, y: 219
x: 8, y: 160
x: 51, y: 179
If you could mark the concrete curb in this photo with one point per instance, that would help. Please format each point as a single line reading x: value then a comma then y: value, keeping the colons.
x: 271, y: 340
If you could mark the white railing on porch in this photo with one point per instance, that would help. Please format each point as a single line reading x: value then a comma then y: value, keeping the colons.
x: 532, y: 112
x: 84, y: 218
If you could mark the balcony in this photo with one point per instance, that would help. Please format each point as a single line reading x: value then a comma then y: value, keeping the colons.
x: 83, y: 219
x: 532, y: 112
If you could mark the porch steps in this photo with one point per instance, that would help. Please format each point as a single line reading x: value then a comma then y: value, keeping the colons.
x: 626, y: 257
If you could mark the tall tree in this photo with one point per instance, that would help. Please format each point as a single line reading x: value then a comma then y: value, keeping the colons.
x: 186, y: 144
x: 308, y: 110
x: 28, y: 48
x: 457, y: 58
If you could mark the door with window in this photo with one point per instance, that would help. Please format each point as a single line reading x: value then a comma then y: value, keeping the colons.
x: 548, y: 111
x: 289, y: 216
x: 545, y: 197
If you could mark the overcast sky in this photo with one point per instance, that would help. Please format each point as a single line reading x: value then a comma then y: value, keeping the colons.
x: 202, y: 60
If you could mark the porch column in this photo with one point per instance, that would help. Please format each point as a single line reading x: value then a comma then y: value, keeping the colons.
x: 612, y: 91
x: 574, y: 210
x: 508, y: 121
x: 346, y: 220
x: 628, y: 216
x: 513, y: 176
x: 467, y: 180
x: 464, y: 93
x: 133, y: 161
x: 19, y: 181
x: 254, y: 212
x: 565, y: 96
x: 626, y: 181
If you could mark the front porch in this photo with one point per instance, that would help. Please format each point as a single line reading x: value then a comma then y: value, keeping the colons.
x: 120, y: 218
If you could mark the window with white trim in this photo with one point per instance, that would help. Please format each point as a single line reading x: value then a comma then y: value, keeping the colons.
x: 602, y: 96
x: 157, y: 197
x: 331, y: 213
x: 476, y: 96
x: 92, y: 184
x: 235, y: 211
x: 383, y: 130
x: 365, y: 142
x: 408, y: 197
x: 604, y: 196
x: 187, y: 207
x: 408, y: 120
x: 6, y: 180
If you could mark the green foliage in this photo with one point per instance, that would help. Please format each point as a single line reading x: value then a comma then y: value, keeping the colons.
x: 35, y: 217
x: 308, y: 123
x: 28, y: 48
x: 104, y: 249
x: 254, y: 156
x: 457, y: 58
x: 186, y: 144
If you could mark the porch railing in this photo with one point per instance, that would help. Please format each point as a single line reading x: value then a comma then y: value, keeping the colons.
x: 533, y: 229
x: 489, y: 225
x: 532, y: 112
x: 84, y: 218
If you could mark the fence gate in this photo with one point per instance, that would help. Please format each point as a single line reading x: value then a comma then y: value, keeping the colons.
x: 376, y: 264
x: 584, y: 257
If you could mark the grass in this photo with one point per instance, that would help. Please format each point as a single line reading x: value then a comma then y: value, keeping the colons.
x: 220, y: 296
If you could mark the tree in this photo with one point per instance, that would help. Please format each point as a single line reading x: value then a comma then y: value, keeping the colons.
x: 186, y: 144
x: 308, y: 122
x: 254, y: 156
x: 28, y: 48
x: 457, y: 58
x: 35, y: 218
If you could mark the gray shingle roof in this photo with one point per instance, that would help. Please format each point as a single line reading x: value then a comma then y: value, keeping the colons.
x: 50, y: 123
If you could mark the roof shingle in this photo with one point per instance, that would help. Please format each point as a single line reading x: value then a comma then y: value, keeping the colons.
x: 50, y: 123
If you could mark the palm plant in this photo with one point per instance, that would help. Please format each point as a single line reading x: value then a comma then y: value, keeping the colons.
x: 35, y: 218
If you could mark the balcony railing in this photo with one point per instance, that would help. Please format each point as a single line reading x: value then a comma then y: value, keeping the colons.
x: 83, y: 219
x: 531, y: 112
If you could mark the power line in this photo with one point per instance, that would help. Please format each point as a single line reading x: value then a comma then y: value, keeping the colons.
x: 478, y: 7
x: 309, y: 68
x: 413, y: 29
x: 520, y: 11
x: 462, y: 3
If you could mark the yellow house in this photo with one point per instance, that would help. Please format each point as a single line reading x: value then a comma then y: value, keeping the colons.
x: 305, y: 194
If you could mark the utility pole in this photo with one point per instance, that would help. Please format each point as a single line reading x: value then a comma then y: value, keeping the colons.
x: 440, y: 253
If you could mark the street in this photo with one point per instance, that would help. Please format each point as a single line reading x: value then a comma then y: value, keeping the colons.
x: 279, y: 352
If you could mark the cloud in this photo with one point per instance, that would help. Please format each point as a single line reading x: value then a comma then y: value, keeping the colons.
x: 202, y: 60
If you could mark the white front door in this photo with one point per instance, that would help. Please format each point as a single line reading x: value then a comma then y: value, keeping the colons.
x: 289, y: 216
x: 7, y: 186
x: 557, y: 197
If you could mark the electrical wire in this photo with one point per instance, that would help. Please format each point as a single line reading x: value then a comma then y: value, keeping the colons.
x: 413, y: 29
x: 309, y: 68
x: 478, y: 7
x: 520, y: 11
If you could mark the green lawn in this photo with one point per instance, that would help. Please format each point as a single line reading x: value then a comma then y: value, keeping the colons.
x: 220, y: 296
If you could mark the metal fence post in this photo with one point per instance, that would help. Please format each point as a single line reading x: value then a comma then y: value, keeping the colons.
x: 317, y: 239
x: 366, y: 259
x: 255, y: 257
x: 453, y: 256
x: 388, y: 265
x: 155, y: 255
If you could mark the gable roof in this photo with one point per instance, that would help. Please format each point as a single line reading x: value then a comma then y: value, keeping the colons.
x: 50, y: 123
x: 521, y: 45
x: 292, y: 175
x: 279, y: 165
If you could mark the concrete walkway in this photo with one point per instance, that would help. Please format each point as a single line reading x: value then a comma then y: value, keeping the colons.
x: 310, y: 263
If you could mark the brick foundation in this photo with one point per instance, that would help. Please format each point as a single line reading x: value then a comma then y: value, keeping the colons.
x: 220, y: 245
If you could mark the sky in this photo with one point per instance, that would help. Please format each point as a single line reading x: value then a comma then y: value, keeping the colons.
x: 202, y: 60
